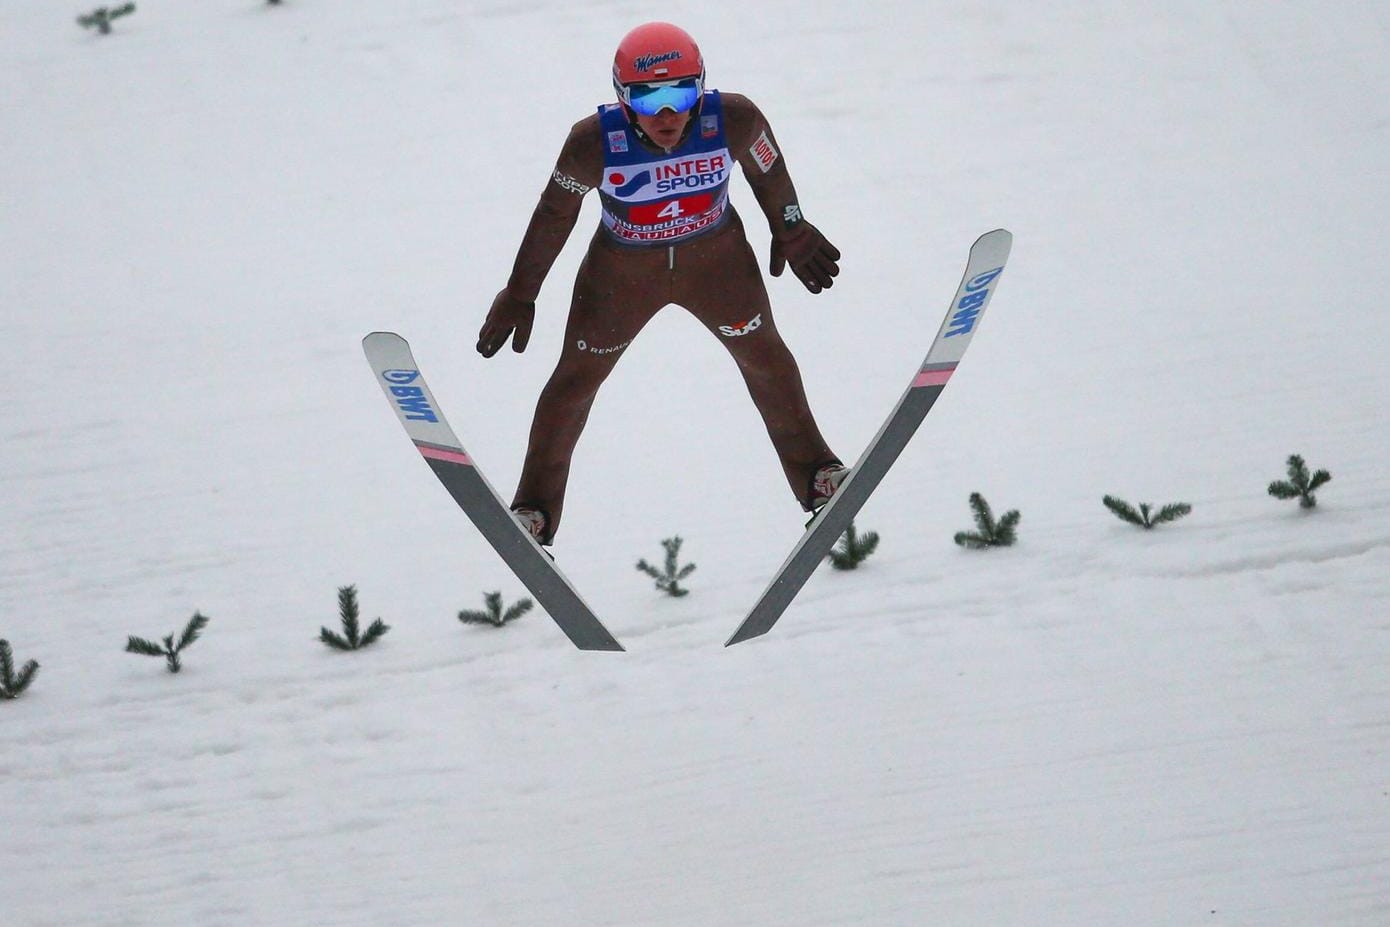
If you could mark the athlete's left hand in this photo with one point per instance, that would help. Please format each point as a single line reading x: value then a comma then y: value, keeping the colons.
x: 814, y: 260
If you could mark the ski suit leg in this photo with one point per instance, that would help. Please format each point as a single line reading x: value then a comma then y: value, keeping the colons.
x: 719, y: 281
x: 615, y: 294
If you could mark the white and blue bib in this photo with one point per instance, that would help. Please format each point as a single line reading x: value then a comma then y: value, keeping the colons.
x: 660, y: 199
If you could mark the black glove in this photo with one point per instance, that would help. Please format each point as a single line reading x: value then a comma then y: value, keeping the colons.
x: 814, y: 260
x: 508, y: 314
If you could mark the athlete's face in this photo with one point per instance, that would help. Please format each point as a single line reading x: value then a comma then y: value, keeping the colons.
x: 665, y: 128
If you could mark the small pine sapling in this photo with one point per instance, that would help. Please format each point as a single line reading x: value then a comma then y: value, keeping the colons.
x: 854, y: 548
x: 171, y: 649
x: 668, y: 579
x: 1145, y: 516
x: 352, y: 637
x: 100, y: 18
x: 1300, y: 485
x: 12, y: 683
x: 991, y: 533
x: 494, y: 613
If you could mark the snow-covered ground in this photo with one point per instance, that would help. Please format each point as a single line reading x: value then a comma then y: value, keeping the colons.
x: 201, y: 215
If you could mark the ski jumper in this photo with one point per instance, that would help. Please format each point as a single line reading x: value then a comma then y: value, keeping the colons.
x: 668, y: 234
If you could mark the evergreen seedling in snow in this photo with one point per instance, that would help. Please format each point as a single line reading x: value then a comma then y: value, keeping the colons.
x: 1145, y: 517
x: 854, y: 549
x: 668, y: 580
x: 991, y: 533
x: 1300, y: 484
x: 171, y: 649
x: 352, y: 637
x: 494, y: 614
x: 100, y: 18
x: 12, y: 683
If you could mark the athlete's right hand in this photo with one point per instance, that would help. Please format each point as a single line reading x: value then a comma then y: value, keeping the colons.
x: 507, y: 315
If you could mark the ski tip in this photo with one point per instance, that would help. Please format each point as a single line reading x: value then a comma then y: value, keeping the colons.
x: 993, y: 247
x: 378, y: 337
x: 997, y: 238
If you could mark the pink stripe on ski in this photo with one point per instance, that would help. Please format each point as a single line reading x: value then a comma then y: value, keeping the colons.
x: 933, y: 377
x: 440, y: 453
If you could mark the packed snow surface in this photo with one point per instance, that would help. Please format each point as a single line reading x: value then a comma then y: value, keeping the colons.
x: 205, y: 211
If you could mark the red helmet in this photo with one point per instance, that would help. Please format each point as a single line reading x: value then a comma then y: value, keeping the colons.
x: 663, y: 56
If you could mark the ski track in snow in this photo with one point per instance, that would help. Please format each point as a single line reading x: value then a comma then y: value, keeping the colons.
x: 205, y: 211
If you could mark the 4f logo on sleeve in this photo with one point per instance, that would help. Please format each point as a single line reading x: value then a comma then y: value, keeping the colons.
x: 763, y: 152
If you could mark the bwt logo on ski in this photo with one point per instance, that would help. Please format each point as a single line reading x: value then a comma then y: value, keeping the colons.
x: 413, y: 402
x: 972, y: 303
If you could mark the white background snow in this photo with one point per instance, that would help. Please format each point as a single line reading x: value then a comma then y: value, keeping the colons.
x: 204, y: 212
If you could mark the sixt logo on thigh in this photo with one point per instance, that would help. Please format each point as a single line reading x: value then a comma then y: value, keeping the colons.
x: 972, y: 303
x: 413, y: 403
x: 743, y: 328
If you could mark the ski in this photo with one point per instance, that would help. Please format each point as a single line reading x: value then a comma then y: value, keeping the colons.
x: 986, y: 263
x: 416, y: 408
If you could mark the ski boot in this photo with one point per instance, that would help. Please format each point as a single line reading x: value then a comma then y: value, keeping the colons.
x: 534, y: 521
x: 824, y: 482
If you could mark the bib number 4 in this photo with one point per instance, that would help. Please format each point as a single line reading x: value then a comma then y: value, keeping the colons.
x: 670, y: 211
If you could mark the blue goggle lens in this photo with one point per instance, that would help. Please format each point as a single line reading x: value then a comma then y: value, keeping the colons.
x: 677, y: 96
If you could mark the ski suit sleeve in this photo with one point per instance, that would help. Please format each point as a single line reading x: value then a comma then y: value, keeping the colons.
x: 576, y: 172
x: 813, y: 259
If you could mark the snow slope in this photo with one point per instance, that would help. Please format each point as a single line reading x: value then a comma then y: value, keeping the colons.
x: 204, y: 212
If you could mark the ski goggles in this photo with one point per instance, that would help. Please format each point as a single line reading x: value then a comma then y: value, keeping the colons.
x: 678, y: 96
